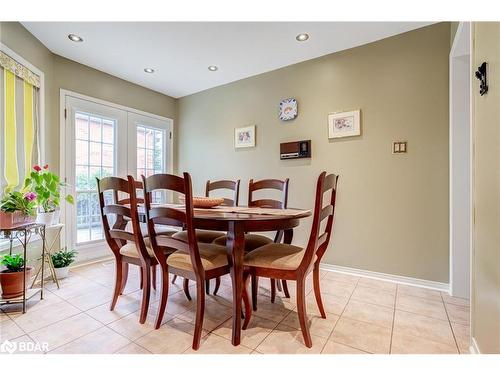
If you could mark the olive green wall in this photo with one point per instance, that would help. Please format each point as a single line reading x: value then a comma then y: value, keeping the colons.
x: 486, y: 254
x: 392, y: 213
x: 61, y: 73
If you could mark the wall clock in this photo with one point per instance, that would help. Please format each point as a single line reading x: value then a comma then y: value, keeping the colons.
x: 288, y: 109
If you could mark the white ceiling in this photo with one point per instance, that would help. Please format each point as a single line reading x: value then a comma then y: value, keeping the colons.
x: 180, y: 52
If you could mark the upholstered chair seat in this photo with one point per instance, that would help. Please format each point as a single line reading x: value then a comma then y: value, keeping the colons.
x: 203, y: 236
x: 276, y: 256
x: 212, y: 256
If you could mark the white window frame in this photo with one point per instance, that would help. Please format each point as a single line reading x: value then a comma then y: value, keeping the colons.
x: 64, y: 162
x: 4, y: 244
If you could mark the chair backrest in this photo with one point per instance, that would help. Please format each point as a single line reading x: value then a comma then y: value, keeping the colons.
x: 225, y: 185
x: 281, y: 185
x: 124, y: 210
x: 172, y: 216
x: 318, y: 242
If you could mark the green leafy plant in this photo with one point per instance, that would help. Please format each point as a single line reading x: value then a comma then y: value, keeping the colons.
x: 47, y: 186
x: 17, y: 201
x: 63, y: 258
x: 14, y: 263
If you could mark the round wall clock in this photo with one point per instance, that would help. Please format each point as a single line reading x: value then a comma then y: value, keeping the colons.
x: 288, y: 109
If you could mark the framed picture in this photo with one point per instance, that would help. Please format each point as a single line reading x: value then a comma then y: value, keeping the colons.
x: 288, y: 109
x: 244, y: 137
x: 344, y: 124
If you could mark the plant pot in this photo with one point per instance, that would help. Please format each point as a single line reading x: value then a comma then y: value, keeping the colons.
x: 45, y: 218
x: 62, y: 272
x: 12, y: 283
x: 9, y: 220
x: 56, y: 218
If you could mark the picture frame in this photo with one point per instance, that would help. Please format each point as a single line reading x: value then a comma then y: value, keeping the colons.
x: 344, y: 124
x: 244, y: 137
x: 288, y: 109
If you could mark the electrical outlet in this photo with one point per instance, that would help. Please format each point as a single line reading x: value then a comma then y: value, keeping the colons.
x: 399, y: 147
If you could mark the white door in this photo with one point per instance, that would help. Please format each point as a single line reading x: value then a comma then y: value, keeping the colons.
x: 104, y: 140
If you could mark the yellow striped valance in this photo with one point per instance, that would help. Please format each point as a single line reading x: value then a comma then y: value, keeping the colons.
x: 8, y: 63
x: 19, y: 116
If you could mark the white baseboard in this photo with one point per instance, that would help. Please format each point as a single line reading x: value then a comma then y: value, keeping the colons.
x: 474, y: 349
x: 442, y: 287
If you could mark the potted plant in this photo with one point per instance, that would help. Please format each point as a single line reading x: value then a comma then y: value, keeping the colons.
x: 11, y: 279
x: 17, y: 209
x: 61, y: 260
x: 47, y: 186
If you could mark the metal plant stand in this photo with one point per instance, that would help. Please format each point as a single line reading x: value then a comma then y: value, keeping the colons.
x: 23, y: 234
x: 57, y: 228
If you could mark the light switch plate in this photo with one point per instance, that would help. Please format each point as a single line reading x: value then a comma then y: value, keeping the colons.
x: 399, y: 147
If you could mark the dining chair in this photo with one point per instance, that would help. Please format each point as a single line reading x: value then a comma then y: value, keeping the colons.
x: 253, y: 241
x: 193, y: 260
x: 289, y: 262
x: 122, y: 231
x: 208, y: 236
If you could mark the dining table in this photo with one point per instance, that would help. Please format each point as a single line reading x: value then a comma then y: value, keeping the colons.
x: 236, y: 221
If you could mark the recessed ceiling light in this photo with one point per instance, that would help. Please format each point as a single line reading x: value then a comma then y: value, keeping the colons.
x: 149, y: 70
x: 302, y: 37
x: 75, y: 38
x: 212, y: 68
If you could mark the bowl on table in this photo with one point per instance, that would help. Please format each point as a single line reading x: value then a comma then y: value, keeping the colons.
x: 204, y: 202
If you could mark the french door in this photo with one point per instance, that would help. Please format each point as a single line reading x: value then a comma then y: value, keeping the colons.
x: 105, y: 140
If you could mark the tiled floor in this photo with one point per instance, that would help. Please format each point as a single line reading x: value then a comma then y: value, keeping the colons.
x: 364, y: 316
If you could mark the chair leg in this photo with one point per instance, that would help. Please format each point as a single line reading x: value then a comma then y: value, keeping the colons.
x: 200, y: 312
x: 163, y: 297
x: 278, y: 285
x: 118, y: 283
x: 141, y: 277
x: 153, y: 276
x: 301, y: 309
x: 285, y: 289
x: 174, y: 278
x: 185, y: 285
x: 246, y: 301
x: 146, y: 290
x: 124, y: 276
x: 217, y: 285
x: 317, y: 291
x: 255, y: 288
x: 273, y: 290
x: 207, y: 286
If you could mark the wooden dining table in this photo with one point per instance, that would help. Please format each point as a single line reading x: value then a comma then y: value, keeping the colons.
x: 237, y: 221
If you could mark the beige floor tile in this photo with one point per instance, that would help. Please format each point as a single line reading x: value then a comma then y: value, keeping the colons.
x: 369, y: 313
x: 422, y: 306
x: 332, y: 304
x: 9, y: 330
x: 342, y: 277
x: 75, y: 286
x: 333, y: 347
x: 126, y: 305
x: 102, y: 341
x: 386, y: 286
x: 173, y: 337
x: 44, y: 316
x: 67, y: 330
x: 455, y: 300
x: 215, y: 315
x: 224, y: 295
x: 33, y: 304
x: 133, y: 348
x: 317, y: 325
x: 336, y: 288
x: 92, y: 299
x: 213, y: 344
x: 364, y: 336
x: 458, y: 314
x: 375, y: 296
x: 407, y: 344
x: 462, y: 336
x: 257, y: 331
x: 3, y: 316
x: 130, y: 327
x: 406, y: 323
x: 419, y: 292
x: 287, y: 340
x: 273, y: 311
x: 177, y: 303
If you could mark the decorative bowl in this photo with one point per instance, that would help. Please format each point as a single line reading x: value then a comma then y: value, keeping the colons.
x: 203, y: 202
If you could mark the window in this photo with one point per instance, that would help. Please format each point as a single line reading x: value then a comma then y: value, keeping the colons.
x: 150, y: 155
x: 95, y: 158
